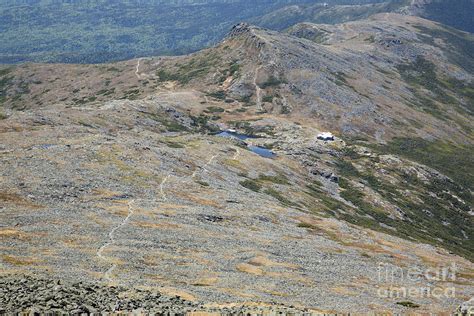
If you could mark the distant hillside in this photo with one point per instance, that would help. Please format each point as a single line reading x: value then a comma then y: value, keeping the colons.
x: 456, y: 14
x: 101, y: 31
x: 327, y: 13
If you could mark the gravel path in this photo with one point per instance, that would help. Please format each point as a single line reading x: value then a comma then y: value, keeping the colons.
x: 162, y: 190
x: 111, y: 241
x: 195, y: 173
x: 258, y: 90
x: 138, y: 69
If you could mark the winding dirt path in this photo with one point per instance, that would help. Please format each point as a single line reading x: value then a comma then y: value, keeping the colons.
x: 258, y: 90
x: 236, y: 155
x: 111, y: 235
x: 138, y: 69
x: 203, y: 167
x: 162, y: 189
x: 100, y: 252
x: 111, y: 241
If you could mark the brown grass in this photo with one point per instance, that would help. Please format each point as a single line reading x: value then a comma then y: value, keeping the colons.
x: 199, y: 200
x: 175, y: 292
x: 161, y: 225
x: 13, y: 233
x: 250, y: 269
x: 206, y: 281
x: 262, y: 261
x: 20, y: 261
x: 104, y: 193
x: 235, y: 164
x: 346, y: 291
x: 16, y: 199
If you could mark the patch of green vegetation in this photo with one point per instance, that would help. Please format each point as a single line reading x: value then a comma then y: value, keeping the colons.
x: 320, y: 37
x: 219, y: 95
x: 5, y: 82
x: 427, y: 105
x: 269, y: 146
x: 341, y: 78
x: 381, y: 187
x: 170, y: 125
x: 214, y: 109
x: 464, y: 89
x: 85, y: 124
x: 131, y: 94
x: 5, y: 71
x: 106, y: 92
x: 453, y: 160
x: 278, y: 179
x: 277, y: 195
x: 268, y: 99
x: 285, y: 110
x: 201, y: 124
x: 272, y: 82
x: 346, y: 168
x: 202, y: 183
x: 351, y: 194
x: 234, y: 68
x: 251, y: 185
x: 172, y: 144
x: 79, y: 101
x: 165, y: 75
x: 370, y: 39
x: 422, y: 74
x: 195, y: 68
x: 243, y: 125
x: 173, y: 126
x: 245, y: 100
x: 3, y: 116
x: 307, y: 226
x: 429, y: 204
x: 408, y: 304
x: 460, y: 45
x: 331, y: 205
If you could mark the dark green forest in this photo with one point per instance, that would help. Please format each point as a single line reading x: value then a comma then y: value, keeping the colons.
x: 86, y: 31
x: 100, y: 31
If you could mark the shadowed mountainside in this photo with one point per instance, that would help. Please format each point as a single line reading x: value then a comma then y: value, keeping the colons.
x: 456, y: 14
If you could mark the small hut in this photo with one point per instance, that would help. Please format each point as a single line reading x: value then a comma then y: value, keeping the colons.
x: 326, y: 136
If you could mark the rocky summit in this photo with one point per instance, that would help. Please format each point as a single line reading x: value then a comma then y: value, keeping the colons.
x: 203, y: 184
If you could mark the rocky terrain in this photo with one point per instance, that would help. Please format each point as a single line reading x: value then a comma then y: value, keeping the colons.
x: 54, y: 296
x: 112, y: 174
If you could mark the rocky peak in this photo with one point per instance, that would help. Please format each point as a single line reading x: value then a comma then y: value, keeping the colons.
x: 240, y: 29
x: 251, y: 34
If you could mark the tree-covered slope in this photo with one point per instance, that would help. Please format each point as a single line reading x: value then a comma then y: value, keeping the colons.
x: 99, y: 31
x: 457, y: 14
